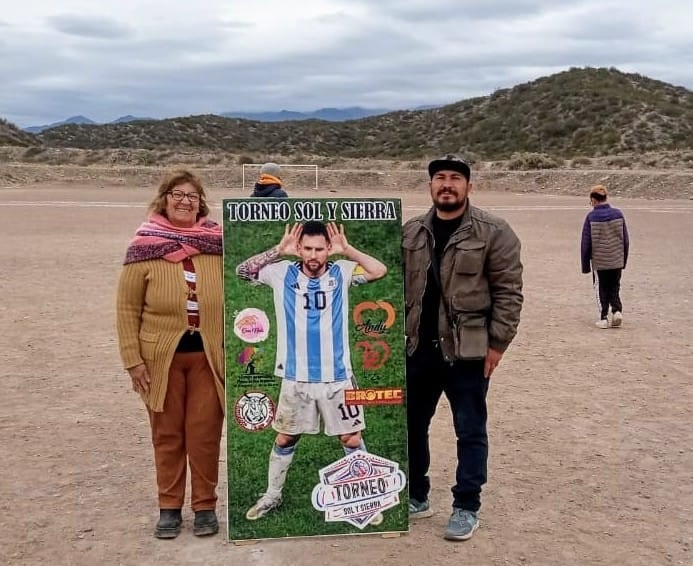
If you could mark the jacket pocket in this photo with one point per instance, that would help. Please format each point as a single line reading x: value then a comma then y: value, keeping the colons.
x: 148, y: 345
x: 469, y: 257
x: 470, y: 335
x: 469, y: 289
x: 415, y: 267
x: 413, y: 251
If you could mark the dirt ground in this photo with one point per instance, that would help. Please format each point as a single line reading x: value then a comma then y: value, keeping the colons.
x: 591, y: 430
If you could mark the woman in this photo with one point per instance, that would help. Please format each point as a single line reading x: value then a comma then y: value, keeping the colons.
x: 170, y: 320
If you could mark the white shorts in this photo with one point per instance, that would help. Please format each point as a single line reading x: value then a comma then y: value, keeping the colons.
x: 301, y: 405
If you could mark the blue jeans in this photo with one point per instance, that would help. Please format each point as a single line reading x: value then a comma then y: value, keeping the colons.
x: 465, y: 386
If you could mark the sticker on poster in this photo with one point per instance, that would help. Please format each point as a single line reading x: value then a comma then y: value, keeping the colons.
x: 369, y: 319
x: 254, y: 411
x: 251, y: 325
x: 357, y: 488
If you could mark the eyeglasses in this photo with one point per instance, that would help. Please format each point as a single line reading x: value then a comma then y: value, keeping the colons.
x: 180, y: 195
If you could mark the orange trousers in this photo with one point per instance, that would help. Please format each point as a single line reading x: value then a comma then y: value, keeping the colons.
x: 188, y: 431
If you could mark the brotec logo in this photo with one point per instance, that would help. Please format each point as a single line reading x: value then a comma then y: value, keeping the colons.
x: 374, y: 396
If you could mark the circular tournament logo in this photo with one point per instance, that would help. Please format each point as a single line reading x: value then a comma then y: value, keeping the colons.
x: 251, y: 325
x: 360, y: 468
x: 254, y: 411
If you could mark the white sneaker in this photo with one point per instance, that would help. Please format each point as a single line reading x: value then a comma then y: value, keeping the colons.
x: 617, y: 319
x: 264, y: 505
x: 602, y: 323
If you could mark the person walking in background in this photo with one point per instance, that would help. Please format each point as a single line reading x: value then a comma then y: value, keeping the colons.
x: 170, y: 314
x: 269, y: 184
x: 605, y: 246
x: 463, y: 291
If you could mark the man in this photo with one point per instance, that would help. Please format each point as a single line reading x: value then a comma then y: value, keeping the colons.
x: 313, y: 357
x: 463, y: 290
x: 269, y: 185
x: 605, y: 244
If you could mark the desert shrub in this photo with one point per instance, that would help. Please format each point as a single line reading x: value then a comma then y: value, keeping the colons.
x: 622, y: 162
x: 243, y: 159
x: 32, y: 153
x: 214, y: 160
x: 582, y: 160
x: 527, y: 161
x: 88, y: 157
x: 148, y: 158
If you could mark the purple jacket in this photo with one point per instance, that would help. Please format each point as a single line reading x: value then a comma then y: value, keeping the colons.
x: 604, y: 239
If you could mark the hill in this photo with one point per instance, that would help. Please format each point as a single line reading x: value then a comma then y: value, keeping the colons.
x: 12, y: 135
x: 579, y: 112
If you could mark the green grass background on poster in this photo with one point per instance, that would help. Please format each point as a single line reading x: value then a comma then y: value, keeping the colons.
x: 385, y: 433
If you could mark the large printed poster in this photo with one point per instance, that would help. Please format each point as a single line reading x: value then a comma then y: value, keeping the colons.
x: 315, y: 372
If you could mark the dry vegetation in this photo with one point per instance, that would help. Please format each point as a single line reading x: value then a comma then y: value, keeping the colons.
x: 557, y: 134
x: 655, y: 175
x: 11, y: 135
x: 574, y: 114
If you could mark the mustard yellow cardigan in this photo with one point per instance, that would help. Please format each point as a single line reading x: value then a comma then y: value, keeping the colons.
x: 151, y: 317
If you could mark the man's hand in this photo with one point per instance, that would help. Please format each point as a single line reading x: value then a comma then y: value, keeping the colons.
x: 140, y: 379
x: 493, y: 358
x: 288, y: 245
x: 338, y: 241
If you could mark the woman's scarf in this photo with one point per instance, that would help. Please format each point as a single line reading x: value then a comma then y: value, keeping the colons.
x: 158, y: 238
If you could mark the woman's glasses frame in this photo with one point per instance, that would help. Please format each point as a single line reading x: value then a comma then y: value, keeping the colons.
x: 179, y: 195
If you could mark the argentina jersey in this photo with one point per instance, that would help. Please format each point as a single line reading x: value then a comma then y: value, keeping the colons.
x: 312, y: 321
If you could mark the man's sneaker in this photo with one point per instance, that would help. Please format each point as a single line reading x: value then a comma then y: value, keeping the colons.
x: 461, y: 525
x: 263, y: 506
x: 603, y: 323
x: 205, y: 523
x: 419, y: 509
x: 617, y: 319
x: 168, y: 526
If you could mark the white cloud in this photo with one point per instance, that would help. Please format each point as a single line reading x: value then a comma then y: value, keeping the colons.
x: 139, y: 57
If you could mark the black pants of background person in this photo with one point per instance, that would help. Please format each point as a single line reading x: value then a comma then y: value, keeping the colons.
x: 464, y: 384
x: 609, y: 284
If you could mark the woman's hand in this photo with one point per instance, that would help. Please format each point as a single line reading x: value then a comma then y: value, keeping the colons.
x: 140, y: 379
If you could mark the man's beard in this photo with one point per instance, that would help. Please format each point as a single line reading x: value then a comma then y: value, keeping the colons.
x: 310, y: 272
x: 448, y: 206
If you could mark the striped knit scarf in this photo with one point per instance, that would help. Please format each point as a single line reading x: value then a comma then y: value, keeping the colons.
x: 158, y: 238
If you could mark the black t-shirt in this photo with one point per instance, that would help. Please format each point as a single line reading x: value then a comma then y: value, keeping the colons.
x: 428, y: 324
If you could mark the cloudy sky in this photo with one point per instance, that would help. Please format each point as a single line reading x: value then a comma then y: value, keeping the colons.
x: 175, y: 58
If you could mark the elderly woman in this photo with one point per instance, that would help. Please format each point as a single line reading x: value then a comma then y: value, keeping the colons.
x: 170, y: 321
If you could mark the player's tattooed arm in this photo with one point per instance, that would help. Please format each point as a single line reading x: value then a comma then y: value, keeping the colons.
x: 250, y: 268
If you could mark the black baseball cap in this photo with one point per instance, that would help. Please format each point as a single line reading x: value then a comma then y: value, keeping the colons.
x: 450, y: 162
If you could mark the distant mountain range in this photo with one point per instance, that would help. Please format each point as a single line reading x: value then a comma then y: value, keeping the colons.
x: 327, y: 114
x: 83, y: 120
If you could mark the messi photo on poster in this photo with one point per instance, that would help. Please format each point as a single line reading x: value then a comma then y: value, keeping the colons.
x: 315, y: 383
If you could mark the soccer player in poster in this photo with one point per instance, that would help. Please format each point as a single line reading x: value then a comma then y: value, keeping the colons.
x: 311, y: 305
